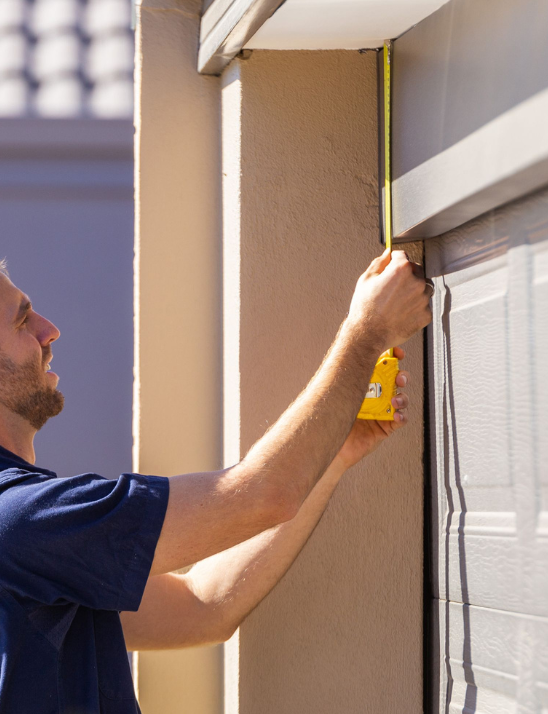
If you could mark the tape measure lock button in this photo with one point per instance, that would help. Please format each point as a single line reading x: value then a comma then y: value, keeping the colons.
x: 374, y: 390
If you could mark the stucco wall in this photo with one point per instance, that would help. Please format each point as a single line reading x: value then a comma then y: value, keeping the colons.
x: 177, y: 298
x: 342, y: 632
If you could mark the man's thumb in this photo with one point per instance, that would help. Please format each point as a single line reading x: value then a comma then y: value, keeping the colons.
x: 379, y: 264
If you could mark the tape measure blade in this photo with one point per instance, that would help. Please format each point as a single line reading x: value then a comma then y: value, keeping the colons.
x: 387, y: 50
x: 387, y: 86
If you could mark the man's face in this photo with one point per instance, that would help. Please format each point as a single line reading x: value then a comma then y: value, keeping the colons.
x: 27, y: 387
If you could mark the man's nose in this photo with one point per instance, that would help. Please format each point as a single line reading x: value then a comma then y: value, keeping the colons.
x: 48, y: 332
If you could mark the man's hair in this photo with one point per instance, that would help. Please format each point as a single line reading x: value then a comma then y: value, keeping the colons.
x: 4, y: 267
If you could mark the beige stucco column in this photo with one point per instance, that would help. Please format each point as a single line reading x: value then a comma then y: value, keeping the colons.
x: 177, y: 404
x: 343, y: 631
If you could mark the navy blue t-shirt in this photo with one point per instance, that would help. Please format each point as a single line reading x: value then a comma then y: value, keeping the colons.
x: 74, y: 552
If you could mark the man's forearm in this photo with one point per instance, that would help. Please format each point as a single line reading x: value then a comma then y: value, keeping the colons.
x: 211, y: 512
x: 299, y: 447
x: 207, y: 604
x: 234, y: 582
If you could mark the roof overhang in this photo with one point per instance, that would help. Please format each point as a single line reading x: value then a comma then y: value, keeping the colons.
x: 229, y: 26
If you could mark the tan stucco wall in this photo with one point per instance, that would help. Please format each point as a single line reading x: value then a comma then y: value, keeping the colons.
x: 343, y: 631
x: 177, y: 420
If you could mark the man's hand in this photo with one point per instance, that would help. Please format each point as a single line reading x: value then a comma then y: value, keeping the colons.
x: 367, y: 434
x: 390, y: 302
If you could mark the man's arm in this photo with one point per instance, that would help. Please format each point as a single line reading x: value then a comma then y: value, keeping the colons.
x: 210, y: 512
x: 207, y: 604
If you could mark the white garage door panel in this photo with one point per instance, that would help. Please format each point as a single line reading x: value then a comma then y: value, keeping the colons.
x: 496, y: 645
x: 489, y: 392
x: 477, y: 309
x: 479, y: 468
x: 492, y: 570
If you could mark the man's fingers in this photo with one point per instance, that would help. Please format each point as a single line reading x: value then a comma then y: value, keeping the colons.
x: 400, y: 263
x: 379, y: 264
x: 399, y: 256
x: 401, y: 401
x: 399, y: 353
x: 400, y: 419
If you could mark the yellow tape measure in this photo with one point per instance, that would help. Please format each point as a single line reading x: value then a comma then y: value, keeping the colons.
x: 382, y: 388
x: 387, y: 54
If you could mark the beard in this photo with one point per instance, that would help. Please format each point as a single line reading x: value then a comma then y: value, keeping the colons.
x: 22, y: 391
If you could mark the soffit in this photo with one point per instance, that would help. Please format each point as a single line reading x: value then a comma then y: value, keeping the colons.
x: 230, y: 25
x: 339, y: 24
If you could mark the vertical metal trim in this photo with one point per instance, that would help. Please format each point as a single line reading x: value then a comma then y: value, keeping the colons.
x: 430, y: 636
x: 431, y: 614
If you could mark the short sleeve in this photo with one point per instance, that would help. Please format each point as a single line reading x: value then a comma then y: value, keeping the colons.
x: 83, y: 539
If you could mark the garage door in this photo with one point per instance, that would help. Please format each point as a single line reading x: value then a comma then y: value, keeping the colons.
x: 488, y: 392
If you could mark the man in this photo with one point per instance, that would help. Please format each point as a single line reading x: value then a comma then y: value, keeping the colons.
x: 77, y: 552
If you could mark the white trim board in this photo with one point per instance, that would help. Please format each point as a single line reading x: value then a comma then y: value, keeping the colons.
x: 503, y: 160
x: 469, y: 113
x: 227, y: 26
x: 339, y: 24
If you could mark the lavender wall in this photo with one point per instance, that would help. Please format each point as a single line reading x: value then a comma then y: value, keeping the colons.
x: 66, y: 217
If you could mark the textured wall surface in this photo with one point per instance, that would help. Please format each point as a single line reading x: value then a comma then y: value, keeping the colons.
x: 490, y: 500
x: 177, y: 298
x: 342, y: 631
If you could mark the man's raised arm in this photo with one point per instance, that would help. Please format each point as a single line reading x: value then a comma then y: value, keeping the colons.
x: 207, y: 604
x: 210, y: 512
